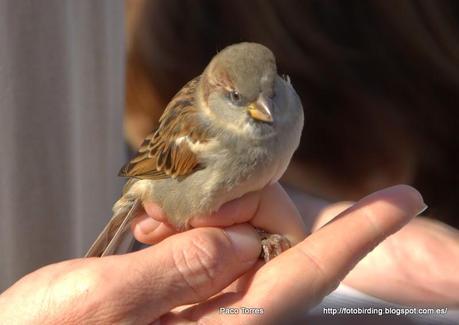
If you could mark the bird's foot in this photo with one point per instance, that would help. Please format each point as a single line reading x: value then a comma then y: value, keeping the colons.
x: 272, y: 244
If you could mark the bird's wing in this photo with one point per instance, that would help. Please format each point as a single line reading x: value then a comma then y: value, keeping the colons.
x: 166, y: 152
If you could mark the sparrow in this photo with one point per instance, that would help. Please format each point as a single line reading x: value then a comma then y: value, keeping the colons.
x: 230, y: 131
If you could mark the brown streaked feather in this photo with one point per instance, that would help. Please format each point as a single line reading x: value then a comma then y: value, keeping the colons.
x: 223, y: 81
x: 160, y: 156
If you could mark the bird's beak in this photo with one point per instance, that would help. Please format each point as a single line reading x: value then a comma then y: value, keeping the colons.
x: 260, y: 110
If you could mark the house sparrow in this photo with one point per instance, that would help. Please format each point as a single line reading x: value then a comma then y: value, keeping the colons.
x: 230, y: 131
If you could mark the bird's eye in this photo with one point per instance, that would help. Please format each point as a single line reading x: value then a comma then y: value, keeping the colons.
x: 235, y: 97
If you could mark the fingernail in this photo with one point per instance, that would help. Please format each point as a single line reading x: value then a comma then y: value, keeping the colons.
x: 424, y: 208
x: 148, y: 225
x: 245, y: 242
x: 417, y: 199
x: 408, y: 198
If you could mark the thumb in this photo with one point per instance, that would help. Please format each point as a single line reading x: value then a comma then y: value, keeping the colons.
x: 188, y: 267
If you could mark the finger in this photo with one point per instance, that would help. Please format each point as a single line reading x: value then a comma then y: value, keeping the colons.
x: 313, y: 268
x: 269, y: 209
x: 150, y: 231
x: 237, y: 211
x: 278, y: 215
x: 155, y: 211
x: 152, y: 227
x: 185, y: 268
x: 329, y: 212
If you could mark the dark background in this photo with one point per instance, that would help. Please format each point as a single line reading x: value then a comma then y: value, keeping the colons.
x: 379, y: 83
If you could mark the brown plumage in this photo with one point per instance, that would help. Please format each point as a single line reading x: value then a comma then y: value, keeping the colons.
x: 160, y: 155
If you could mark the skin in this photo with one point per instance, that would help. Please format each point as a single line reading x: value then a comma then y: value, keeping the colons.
x: 213, y: 267
x: 422, y: 258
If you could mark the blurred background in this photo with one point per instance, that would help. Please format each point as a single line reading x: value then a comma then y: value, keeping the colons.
x: 379, y: 82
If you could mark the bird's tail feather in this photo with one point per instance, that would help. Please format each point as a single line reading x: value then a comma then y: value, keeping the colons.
x: 116, y: 234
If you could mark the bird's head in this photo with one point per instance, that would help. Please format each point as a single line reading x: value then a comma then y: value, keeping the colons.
x: 238, y: 86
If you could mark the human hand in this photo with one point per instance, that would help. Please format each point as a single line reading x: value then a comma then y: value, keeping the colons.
x: 416, y: 266
x: 199, y: 265
x: 141, y: 286
x: 306, y: 272
x: 133, y: 288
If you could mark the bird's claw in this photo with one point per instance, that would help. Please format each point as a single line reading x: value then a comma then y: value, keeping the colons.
x: 272, y: 244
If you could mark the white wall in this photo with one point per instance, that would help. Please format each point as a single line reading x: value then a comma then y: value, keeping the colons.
x: 61, y: 145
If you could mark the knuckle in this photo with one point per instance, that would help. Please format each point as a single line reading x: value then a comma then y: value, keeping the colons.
x: 199, y: 263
